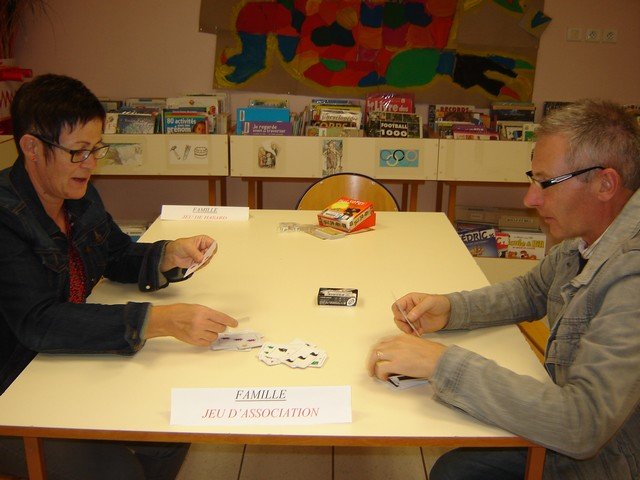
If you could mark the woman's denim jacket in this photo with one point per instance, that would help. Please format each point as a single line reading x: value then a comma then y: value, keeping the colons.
x: 34, y: 278
x: 588, y: 414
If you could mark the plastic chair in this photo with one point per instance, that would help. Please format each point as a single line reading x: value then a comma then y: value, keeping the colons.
x: 353, y: 185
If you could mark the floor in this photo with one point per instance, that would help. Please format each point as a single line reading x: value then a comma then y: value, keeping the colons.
x: 263, y: 462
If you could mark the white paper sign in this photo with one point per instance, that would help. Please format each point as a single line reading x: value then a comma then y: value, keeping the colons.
x: 261, y: 405
x: 195, y: 212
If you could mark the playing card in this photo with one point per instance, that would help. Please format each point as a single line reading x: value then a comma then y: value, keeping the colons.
x: 295, y: 354
x: 237, y: 341
x: 402, y: 382
x: 273, y: 353
x: 195, y: 266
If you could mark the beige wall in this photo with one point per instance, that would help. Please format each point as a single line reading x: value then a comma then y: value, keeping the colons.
x: 121, y: 48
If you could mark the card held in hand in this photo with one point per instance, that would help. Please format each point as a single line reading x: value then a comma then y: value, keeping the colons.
x: 237, y: 341
x: 195, y: 266
x: 402, y: 382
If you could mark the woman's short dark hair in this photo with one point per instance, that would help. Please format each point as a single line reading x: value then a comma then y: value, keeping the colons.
x: 50, y: 103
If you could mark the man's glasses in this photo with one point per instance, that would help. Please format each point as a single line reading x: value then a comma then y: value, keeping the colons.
x: 560, y: 178
x: 77, y: 156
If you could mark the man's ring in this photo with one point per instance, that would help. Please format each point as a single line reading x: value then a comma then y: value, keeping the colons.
x: 379, y: 354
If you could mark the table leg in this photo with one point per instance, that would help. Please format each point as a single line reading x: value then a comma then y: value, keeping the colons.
x: 223, y: 191
x: 405, y: 195
x: 451, y: 208
x: 212, y: 191
x: 535, y: 463
x: 439, y: 189
x: 413, y: 196
x: 259, y: 194
x: 251, y: 194
x: 35, y: 458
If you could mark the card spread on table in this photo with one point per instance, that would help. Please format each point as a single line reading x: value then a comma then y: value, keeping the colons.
x: 295, y: 354
x: 237, y: 341
x: 195, y: 266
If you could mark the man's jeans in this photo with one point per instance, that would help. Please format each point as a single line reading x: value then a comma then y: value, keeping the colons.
x: 481, y: 464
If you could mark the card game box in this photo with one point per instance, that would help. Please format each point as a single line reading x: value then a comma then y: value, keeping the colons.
x: 348, y: 215
x: 481, y: 241
x: 344, y: 297
x: 527, y: 245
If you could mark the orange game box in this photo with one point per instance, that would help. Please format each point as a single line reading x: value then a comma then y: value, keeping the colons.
x: 348, y: 215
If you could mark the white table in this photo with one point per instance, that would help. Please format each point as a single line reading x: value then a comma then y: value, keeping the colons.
x: 273, y: 278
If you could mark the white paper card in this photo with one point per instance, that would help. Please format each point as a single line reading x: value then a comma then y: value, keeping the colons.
x: 261, y: 405
x: 205, y: 212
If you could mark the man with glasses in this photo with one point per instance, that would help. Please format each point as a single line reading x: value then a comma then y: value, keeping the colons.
x: 57, y: 243
x: 584, y: 184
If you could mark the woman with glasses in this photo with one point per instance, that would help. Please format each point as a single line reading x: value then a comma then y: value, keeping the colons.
x: 57, y: 242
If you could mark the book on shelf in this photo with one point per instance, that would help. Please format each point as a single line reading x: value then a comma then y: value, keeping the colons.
x: 325, y: 115
x: 135, y: 123
x: 144, y: 106
x: 221, y: 97
x: 529, y: 132
x: 463, y: 131
x: 266, y: 128
x: 146, y: 102
x: 269, y: 102
x: 450, y: 113
x: 333, y: 131
x: 512, y: 112
x: 515, y: 130
x: 394, y: 125
x: 389, y: 102
x: 180, y: 120
x: 260, y: 114
x: 110, y: 105
x: 209, y: 103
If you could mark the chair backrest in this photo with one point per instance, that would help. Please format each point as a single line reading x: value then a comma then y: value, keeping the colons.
x: 353, y: 185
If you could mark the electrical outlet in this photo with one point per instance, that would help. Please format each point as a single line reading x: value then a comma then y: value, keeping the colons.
x: 574, y: 34
x: 593, y: 35
x: 610, y: 35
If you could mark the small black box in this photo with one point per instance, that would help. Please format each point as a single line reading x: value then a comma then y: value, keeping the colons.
x: 346, y: 297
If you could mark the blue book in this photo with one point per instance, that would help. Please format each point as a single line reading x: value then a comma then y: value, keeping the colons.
x: 260, y: 114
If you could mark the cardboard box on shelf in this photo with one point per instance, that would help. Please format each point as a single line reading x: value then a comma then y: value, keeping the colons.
x: 527, y: 245
x: 492, y: 215
x: 479, y: 239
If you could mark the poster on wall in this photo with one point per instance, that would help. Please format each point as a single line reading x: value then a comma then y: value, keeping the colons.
x: 464, y: 51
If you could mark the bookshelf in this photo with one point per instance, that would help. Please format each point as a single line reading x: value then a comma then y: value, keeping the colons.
x: 452, y: 163
x: 409, y: 161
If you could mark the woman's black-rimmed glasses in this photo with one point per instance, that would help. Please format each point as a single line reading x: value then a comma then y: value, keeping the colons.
x: 80, y: 155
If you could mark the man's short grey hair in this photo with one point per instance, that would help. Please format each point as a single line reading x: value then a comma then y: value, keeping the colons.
x: 598, y: 132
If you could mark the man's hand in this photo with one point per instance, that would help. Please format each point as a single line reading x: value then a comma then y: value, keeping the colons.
x: 428, y: 313
x: 404, y: 355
